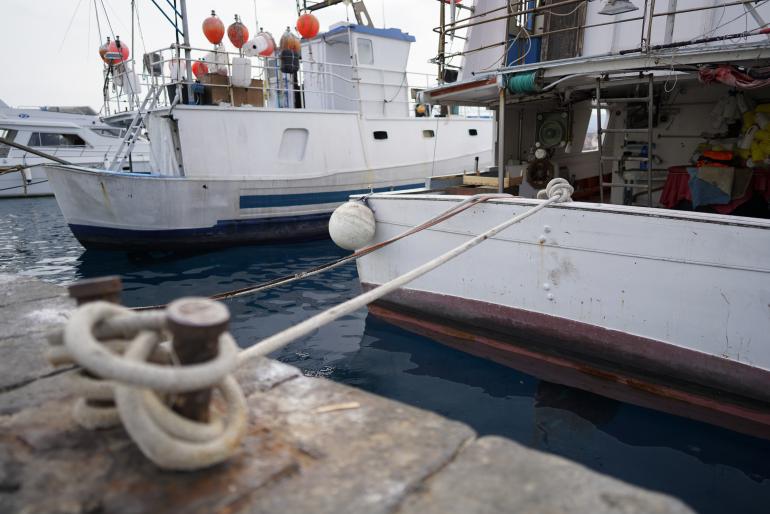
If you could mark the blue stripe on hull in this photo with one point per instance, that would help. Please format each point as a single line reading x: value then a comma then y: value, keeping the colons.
x: 224, y: 233
x: 293, y: 200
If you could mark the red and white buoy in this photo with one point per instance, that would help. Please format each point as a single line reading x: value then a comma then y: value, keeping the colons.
x: 237, y: 33
x: 213, y: 29
x: 115, y: 53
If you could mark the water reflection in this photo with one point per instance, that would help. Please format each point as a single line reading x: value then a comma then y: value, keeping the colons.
x: 711, y: 469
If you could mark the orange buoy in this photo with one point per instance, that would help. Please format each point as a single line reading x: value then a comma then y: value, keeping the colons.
x: 237, y: 33
x: 290, y: 42
x: 116, y: 53
x: 199, y: 68
x: 213, y: 28
x: 308, y: 26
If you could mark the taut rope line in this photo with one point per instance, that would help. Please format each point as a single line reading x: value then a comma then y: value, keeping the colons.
x: 114, y: 345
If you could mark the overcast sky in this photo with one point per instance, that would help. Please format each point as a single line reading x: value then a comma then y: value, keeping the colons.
x: 50, y: 57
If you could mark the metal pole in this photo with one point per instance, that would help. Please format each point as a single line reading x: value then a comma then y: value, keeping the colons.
x: 441, y: 41
x: 642, y: 42
x: 501, y: 142
x: 599, y: 138
x: 187, y: 52
x: 650, y: 119
x: 670, y: 23
x: 649, y: 25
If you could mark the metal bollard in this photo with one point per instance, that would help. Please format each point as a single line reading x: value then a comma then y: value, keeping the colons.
x: 106, y: 289
x: 196, y: 324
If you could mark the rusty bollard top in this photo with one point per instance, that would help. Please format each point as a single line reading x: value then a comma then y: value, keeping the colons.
x: 196, y: 324
x: 107, y: 289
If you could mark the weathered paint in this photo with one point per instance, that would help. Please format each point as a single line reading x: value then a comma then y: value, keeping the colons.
x: 590, y: 372
x: 640, y: 290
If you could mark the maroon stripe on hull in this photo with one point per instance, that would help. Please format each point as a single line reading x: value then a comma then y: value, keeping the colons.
x: 584, y: 370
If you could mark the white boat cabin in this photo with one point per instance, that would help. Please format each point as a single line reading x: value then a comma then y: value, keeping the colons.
x: 369, y: 67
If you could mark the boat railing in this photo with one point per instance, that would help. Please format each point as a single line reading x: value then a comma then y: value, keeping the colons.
x: 317, y: 85
x: 97, y: 154
x: 553, y: 30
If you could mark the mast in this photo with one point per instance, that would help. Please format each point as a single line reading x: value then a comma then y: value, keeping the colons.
x: 187, y: 52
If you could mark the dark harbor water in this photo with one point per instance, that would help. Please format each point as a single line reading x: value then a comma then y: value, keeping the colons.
x: 711, y: 469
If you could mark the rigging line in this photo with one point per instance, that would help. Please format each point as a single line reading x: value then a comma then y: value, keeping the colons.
x: 88, y: 39
x: 69, y: 26
x: 98, y: 23
x: 745, y: 13
x: 24, y: 185
x: 115, y: 14
x: 107, y: 17
x: 573, y: 11
x: 141, y: 33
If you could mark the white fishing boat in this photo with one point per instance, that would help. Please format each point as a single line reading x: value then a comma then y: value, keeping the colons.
x: 655, y: 288
x: 73, y: 134
x: 264, y: 147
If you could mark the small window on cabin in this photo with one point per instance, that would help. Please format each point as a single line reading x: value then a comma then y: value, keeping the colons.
x: 9, y: 135
x: 473, y: 132
x: 365, y: 51
x: 380, y: 134
x: 293, y: 144
x: 109, y: 132
x: 428, y: 133
x: 591, y: 142
x: 53, y: 139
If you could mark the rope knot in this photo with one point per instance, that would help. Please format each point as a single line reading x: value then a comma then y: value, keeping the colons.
x: 557, y: 188
x: 130, y: 375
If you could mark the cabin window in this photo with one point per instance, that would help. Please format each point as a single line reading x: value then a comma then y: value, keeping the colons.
x: 428, y: 133
x: 591, y: 142
x: 380, y: 134
x: 365, y: 51
x: 109, y: 132
x: 10, y: 135
x: 473, y: 132
x: 293, y: 145
x: 55, y: 139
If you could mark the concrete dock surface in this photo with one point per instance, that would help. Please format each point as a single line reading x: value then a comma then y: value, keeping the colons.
x: 312, y: 446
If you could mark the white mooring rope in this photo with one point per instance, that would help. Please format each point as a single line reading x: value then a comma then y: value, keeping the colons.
x: 124, y: 362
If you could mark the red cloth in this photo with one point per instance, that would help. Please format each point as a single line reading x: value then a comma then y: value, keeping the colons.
x: 730, y: 76
x: 677, y: 189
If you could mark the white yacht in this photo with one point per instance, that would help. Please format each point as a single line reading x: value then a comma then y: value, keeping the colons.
x: 257, y: 150
x: 653, y: 285
x: 73, y: 134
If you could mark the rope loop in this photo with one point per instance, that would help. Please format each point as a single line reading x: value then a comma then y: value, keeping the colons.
x: 130, y: 376
x: 557, y: 188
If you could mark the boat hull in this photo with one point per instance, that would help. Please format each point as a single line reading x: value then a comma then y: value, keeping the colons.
x: 596, y: 297
x: 31, y: 183
x: 225, y: 233
x: 135, y: 211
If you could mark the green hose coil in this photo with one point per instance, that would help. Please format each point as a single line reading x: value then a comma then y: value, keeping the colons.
x: 522, y: 83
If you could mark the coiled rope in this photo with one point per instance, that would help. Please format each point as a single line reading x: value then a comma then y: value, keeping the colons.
x: 121, y: 350
x: 131, y: 385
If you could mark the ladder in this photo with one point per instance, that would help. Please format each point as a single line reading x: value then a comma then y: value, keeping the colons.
x: 647, y: 185
x: 134, y: 130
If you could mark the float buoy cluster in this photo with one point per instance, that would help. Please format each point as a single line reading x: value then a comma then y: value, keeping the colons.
x: 289, y: 50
